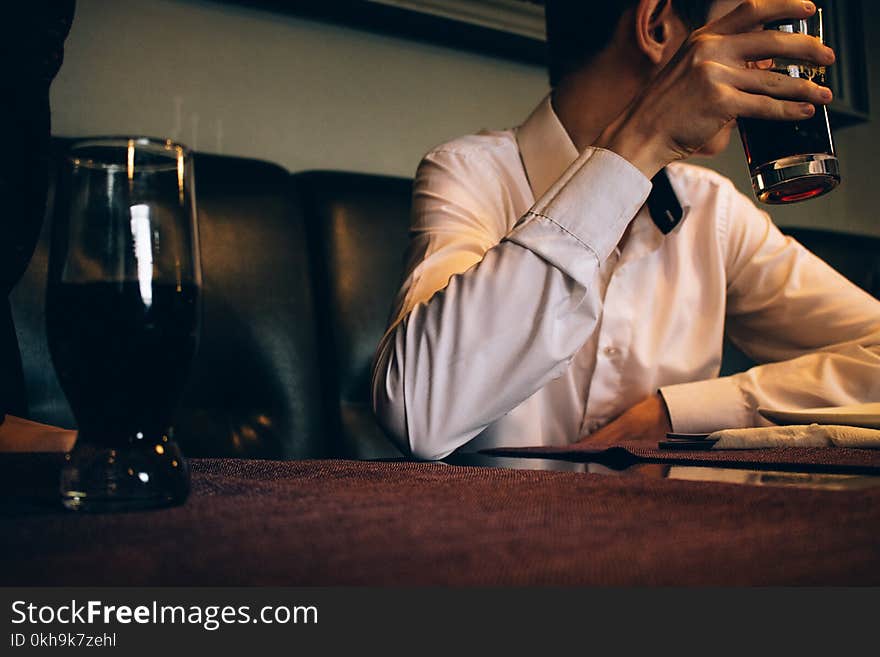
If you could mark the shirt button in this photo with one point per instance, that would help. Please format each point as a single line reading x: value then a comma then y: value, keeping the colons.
x: 611, y: 351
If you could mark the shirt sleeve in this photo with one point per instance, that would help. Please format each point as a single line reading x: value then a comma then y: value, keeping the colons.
x: 818, y: 334
x: 486, y: 317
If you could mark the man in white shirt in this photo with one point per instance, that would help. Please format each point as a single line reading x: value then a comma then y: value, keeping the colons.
x: 565, y: 284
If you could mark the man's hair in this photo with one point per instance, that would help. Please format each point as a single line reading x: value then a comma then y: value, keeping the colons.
x: 577, y: 30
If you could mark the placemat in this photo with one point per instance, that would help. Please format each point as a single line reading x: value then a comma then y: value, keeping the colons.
x: 804, y: 459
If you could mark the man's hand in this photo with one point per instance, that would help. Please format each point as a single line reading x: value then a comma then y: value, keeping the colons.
x: 648, y: 420
x: 20, y: 435
x: 712, y: 80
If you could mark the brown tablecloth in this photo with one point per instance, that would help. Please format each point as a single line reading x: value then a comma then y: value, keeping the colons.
x: 841, y: 460
x: 355, y: 523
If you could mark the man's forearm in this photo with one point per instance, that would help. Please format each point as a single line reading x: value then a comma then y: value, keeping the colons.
x: 839, y: 377
x: 477, y: 349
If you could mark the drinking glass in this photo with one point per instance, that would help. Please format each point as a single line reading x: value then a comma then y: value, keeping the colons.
x: 792, y: 161
x: 123, y: 316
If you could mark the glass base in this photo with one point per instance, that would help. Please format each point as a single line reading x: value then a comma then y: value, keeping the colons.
x: 142, y: 475
x: 797, y: 178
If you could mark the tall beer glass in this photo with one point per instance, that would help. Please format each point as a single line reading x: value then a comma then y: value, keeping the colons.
x: 123, y: 316
x: 792, y: 161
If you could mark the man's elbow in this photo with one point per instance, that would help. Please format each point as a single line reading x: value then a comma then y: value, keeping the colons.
x: 403, y: 423
x: 427, y: 450
x: 390, y: 413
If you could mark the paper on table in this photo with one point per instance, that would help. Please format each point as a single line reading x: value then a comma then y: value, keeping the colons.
x: 798, y: 435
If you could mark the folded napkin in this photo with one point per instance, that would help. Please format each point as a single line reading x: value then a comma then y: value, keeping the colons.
x: 798, y: 435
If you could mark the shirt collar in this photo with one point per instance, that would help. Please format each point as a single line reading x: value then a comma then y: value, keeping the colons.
x: 545, y: 148
x: 547, y: 151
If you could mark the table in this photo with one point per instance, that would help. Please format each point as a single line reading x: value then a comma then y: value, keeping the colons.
x: 337, y: 522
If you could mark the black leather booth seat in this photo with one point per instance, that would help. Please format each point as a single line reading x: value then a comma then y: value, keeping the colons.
x: 299, y: 273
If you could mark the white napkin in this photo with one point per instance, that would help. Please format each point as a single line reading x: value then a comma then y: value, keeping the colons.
x: 797, y: 435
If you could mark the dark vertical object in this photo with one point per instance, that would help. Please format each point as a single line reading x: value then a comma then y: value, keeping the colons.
x: 31, y: 51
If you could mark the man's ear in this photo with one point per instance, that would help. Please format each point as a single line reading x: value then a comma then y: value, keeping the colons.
x: 657, y: 29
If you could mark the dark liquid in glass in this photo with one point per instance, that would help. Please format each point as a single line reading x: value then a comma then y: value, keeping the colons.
x: 122, y: 359
x: 769, y: 141
x: 791, y: 161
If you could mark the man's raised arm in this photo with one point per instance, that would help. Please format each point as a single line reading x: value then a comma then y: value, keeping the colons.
x: 511, y: 316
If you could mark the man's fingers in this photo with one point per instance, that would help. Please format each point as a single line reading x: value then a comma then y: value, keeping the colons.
x: 756, y: 46
x: 778, y: 85
x: 756, y: 106
x: 753, y: 14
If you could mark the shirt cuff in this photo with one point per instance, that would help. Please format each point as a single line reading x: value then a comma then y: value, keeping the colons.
x: 587, y: 209
x: 707, y: 406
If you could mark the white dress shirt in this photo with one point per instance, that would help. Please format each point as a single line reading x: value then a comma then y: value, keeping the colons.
x: 521, y: 322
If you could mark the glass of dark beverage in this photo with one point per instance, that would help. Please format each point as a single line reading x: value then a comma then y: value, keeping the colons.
x: 123, y: 317
x: 792, y: 161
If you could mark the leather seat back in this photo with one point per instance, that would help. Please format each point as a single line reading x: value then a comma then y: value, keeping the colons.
x: 358, y: 228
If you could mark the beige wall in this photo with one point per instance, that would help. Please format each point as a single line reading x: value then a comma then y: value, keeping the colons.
x: 310, y: 95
